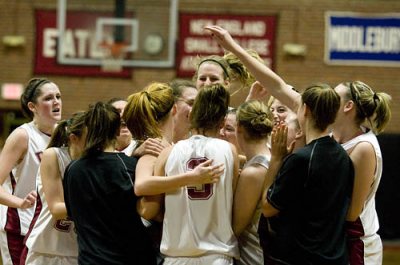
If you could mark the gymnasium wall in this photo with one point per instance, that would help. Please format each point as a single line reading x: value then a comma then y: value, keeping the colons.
x: 299, y: 21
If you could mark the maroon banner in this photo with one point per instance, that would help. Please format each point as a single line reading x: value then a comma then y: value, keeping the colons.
x: 79, y: 43
x: 251, y: 32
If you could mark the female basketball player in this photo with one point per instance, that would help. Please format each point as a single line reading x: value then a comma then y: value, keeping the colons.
x: 153, y: 109
x: 254, y: 125
x: 279, y: 110
x: 99, y: 197
x: 197, y: 227
x: 227, y: 70
x: 184, y: 93
x: 360, y: 105
x: 19, y: 163
x: 213, y: 69
x: 51, y: 238
x: 228, y: 131
x: 310, y: 196
x: 125, y: 143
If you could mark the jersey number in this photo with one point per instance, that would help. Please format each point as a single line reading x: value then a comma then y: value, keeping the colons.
x: 200, y: 192
x: 63, y: 225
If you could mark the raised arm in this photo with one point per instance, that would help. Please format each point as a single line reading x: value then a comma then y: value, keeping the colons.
x: 257, y: 92
x: 13, y: 153
x: 269, y: 80
x: 52, y: 184
x: 147, y: 184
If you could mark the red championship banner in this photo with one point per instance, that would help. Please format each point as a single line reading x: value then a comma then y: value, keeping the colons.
x: 79, y: 43
x: 251, y: 32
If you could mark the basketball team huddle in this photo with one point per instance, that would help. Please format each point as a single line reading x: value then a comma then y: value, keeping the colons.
x: 174, y: 175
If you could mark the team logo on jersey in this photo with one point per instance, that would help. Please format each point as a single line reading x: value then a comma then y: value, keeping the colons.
x: 63, y: 225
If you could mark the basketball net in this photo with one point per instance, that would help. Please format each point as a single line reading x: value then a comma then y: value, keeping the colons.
x: 113, y: 57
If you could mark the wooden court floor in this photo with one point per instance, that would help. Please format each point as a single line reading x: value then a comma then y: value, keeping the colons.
x: 391, y: 253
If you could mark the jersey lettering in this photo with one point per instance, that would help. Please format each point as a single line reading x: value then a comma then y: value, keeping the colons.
x: 199, y: 192
x: 63, y: 225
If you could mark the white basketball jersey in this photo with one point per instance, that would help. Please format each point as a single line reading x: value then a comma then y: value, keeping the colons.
x: 369, y: 217
x: 198, y: 219
x: 130, y: 148
x: 23, y: 176
x: 249, y: 242
x: 50, y: 236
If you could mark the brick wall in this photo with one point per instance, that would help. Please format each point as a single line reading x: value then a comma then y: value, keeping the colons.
x: 299, y: 21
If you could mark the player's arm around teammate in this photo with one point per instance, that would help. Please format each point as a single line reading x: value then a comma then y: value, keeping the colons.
x: 149, y: 205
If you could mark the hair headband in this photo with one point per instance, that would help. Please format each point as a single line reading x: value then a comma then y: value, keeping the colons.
x: 39, y: 84
x: 215, y: 61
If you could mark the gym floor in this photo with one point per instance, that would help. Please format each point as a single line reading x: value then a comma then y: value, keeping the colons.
x: 391, y: 253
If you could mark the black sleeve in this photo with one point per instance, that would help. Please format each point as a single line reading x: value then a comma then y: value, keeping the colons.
x: 287, y: 187
x: 128, y: 172
x: 66, y: 186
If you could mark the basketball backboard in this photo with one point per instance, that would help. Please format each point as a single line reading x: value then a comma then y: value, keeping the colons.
x: 132, y: 33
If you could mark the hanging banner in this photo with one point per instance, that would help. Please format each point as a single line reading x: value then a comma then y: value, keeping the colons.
x: 251, y: 32
x: 362, y: 39
x: 79, y: 43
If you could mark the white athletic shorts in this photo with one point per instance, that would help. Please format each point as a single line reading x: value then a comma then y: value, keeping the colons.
x: 35, y: 258
x: 212, y: 259
x: 5, y: 253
